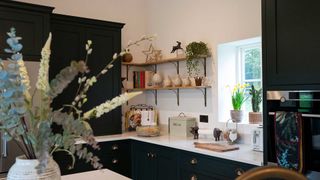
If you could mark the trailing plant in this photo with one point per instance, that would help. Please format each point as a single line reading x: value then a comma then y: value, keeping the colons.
x: 256, y: 98
x: 30, y: 125
x: 194, y: 51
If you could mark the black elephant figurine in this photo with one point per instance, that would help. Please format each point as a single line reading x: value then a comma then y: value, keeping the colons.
x: 216, y: 134
x: 194, y: 131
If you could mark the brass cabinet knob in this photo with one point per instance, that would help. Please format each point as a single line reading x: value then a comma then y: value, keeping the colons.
x: 153, y: 155
x: 193, y: 161
x: 114, y: 147
x: 115, y: 161
x: 148, y: 154
x: 194, y: 177
x: 239, y: 171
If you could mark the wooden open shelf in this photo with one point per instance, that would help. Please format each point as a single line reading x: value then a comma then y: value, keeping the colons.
x: 176, y: 90
x: 167, y: 88
x: 163, y: 61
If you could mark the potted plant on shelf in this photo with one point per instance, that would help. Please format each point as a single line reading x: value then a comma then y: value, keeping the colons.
x: 255, y: 117
x: 238, y: 98
x: 30, y: 126
x: 194, y: 51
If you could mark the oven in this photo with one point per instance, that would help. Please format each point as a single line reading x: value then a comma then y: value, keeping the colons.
x: 307, y: 103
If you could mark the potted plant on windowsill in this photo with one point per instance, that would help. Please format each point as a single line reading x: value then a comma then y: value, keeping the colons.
x: 194, y: 51
x: 30, y: 125
x: 255, y: 117
x: 238, y: 98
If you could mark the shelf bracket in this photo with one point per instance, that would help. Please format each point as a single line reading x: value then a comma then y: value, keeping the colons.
x: 204, y: 92
x: 155, y: 93
x: 176, y: 64
x: 204, y: 63
x: 177, y: 92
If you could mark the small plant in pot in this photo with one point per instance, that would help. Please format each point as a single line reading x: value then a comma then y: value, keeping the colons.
x: 255, y: 117
x: 238, y: 97
x: 194, y: 51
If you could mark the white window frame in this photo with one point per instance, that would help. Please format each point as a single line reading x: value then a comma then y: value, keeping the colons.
x: 240, y: 63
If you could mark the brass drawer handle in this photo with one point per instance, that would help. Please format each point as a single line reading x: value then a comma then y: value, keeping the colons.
x: 153, y: 155
x: 239, y: 171
x: 115, y: 161
x: 114, y: 147
x: 193, y: 161
x: 194, y: 177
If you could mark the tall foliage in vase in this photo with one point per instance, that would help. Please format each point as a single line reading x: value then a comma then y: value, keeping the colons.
x: 30, y: 126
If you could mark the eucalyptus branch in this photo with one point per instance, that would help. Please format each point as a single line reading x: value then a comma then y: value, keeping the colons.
x: 90, y: 82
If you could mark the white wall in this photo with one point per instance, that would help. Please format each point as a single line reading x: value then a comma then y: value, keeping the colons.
x: 212, y: 21
x: 130, y: 12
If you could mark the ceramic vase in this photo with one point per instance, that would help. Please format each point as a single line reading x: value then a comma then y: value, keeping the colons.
x: 167, y: 82
x: 157, y: 80
x: 236, y: 115
x: 127, y: 57
x: 186, y: 82
x: 25, y: 169
x: 177, y: 82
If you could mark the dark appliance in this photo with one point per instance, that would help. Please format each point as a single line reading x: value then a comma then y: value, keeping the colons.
x: 9, y: 151
x: 306, y: 102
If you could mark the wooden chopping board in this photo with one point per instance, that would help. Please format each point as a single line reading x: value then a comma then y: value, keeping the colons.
x: 216, y: 147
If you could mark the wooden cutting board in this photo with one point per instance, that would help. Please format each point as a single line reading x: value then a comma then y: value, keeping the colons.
x: 216, y: 147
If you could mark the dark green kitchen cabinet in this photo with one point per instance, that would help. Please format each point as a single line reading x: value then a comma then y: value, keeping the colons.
x: 153, y: 162
x: 291, y: 44
x: 114, y: 155
x: 196, y: 166
x: 69, y: 36
x: 32, y: 23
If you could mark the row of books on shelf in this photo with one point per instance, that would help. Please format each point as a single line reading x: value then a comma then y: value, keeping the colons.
x: 142, y: 79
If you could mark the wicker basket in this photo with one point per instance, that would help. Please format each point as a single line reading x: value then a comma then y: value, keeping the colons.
x: 148, y: 131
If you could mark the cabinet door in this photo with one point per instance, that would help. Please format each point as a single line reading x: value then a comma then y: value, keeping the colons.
x: 116, y: 156
x: 291, y: 43
x: 105, y: 44
x: 189, y: 174
x: 166, y: 163
x: 68, y: 42
x: 143, y: 165
x: 64, y: 160
x: 69, y: 38
x: 31, y: 23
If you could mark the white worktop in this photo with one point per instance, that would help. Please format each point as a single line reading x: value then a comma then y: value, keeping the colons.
x: 245, y: 153
x: 95, y: 175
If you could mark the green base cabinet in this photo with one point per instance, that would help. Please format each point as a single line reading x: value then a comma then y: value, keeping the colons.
x: 114, y: 155
x: 153, y: 162
x: 197, y: 166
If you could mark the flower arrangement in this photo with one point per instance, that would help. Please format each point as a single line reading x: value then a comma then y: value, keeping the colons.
x: 239, y: 96
x: 30, y: 126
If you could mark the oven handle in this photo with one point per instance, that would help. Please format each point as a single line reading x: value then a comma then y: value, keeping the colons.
x: 303, y: 115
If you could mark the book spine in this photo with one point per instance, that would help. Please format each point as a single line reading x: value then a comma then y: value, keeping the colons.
x: 138, y: 84
x: 146, y: 79
x: 142, y: 76
x: 134, y: 79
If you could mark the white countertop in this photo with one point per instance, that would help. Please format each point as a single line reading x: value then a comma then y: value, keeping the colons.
x: 97, y: 174
x: 245, y: 153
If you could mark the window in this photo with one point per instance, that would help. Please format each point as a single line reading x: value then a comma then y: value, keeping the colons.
x: 238, y: 62
x: 250, y: 68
